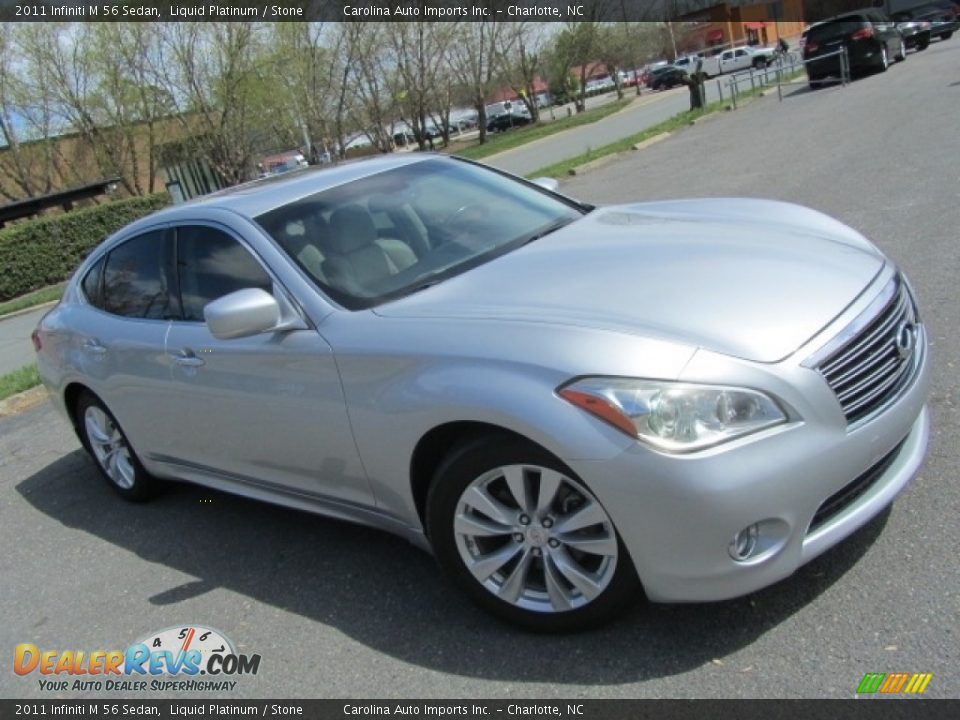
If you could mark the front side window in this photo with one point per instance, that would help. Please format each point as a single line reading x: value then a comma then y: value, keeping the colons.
x: 383, y: 236
x: 136, y: 278
x: 211, y: 264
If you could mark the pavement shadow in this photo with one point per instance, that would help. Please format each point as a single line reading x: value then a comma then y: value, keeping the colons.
x: 391, y: 597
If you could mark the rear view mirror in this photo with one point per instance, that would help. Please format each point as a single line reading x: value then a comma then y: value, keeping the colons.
x: 242, y: 313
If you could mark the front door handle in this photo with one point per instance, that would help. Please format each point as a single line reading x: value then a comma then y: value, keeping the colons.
x: 93, y: 346
x: 186, y: 358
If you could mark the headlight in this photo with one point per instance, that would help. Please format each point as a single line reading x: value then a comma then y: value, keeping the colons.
x: 673, y: 416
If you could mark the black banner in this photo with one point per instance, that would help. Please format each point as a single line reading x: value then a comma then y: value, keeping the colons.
x: 863, y: 709
x: 684, y: 11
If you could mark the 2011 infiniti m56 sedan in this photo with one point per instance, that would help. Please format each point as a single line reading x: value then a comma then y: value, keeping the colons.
x: 571, y: 406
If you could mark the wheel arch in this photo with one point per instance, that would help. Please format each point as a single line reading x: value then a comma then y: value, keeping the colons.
x: 71, y: 394
x: 435, y: 445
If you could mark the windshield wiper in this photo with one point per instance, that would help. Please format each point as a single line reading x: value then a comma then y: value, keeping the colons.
x: 547, y: 230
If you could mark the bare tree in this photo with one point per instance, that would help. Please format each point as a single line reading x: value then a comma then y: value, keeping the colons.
x: 210, y: 71
x: 415, y: 50
x: 476, y: 53
x: 522, y: 62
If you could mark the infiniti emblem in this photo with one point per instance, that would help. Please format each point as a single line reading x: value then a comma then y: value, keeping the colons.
x: 906, y: 338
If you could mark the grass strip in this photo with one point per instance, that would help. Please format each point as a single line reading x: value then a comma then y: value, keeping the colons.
x: 37, y: 297
x: 680, y: 120
x: 18, y: 381
x: 521, y: 136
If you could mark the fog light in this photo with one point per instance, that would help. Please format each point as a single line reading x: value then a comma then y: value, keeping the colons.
x: 745, y: 543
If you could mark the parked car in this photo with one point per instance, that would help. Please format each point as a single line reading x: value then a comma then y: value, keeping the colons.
x: 663, y: 78
x: 870, y: 38
x: 942, y: 19
x: 572, y: 406
x: 915, y: 33
x: 507, y: 121
x: 742, y: 58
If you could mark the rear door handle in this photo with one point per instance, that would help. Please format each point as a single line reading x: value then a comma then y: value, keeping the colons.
x: 93, y: 346
x: 186, y: 358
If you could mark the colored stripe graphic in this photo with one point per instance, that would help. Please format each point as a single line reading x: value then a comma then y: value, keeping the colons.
x: 870, y: 683
x: 918, y: 683
x: 893, y: 683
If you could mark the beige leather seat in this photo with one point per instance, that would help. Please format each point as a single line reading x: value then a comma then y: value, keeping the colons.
x: 358, y: 259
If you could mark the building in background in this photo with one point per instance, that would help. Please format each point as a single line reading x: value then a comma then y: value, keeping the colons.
x: 728, y: 24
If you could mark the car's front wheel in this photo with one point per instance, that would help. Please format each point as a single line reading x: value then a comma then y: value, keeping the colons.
x: 902, y: 55
x: 111, y: 451
x: 525, y: 537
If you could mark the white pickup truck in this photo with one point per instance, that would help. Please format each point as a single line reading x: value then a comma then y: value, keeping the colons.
x: 741, y: 58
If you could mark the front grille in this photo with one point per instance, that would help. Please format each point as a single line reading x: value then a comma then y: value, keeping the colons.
x: 875, y: 364
x: 848, y: 494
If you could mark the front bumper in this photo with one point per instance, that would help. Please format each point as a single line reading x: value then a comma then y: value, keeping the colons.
x: 677, y: 515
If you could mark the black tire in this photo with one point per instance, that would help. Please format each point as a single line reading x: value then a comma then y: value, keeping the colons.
x: 121, y: 469
x: 884, y: 60
x: 902, y: 55
x: 468, y: 463
x: 947, y: 35
x: 923, y: 43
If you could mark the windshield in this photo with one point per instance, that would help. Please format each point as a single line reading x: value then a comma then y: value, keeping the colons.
x: 384, y: 236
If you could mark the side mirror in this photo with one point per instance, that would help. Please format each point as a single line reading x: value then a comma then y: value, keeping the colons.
x: 547, y: 183
x: 242, y: 313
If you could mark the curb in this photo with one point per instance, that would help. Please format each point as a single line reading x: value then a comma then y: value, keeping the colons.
x: 601, y: 161
x: 20, y: 402
x: 652, y: 140
x: 24, y: 311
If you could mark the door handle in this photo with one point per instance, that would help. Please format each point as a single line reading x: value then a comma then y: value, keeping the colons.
x: 93, y: 346
x: 186, y: 358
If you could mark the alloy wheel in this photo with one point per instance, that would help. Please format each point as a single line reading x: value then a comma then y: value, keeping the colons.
x: 109, y: 447
x: 535, y: 538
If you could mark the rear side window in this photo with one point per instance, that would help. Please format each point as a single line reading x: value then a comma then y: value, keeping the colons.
x: 91, y: 283
x: 212, y: 264
x: 835, y: 29
x: 136, y: 278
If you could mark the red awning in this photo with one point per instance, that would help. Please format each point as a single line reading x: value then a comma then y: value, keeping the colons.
x: 754, y: 25
x: 715, y: 36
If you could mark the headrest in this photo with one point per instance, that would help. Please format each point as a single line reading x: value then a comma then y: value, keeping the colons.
x: 352, y: 228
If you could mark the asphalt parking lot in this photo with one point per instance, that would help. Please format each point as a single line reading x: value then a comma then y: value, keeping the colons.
x: 340, y: 611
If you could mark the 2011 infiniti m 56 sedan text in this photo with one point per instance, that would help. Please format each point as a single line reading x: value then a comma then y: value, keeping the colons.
x: 571, y: 406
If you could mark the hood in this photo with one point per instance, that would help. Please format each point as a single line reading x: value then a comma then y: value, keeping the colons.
x: 749, y: 278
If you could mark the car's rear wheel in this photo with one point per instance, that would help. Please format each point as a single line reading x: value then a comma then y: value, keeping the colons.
x: 884, y: 60
x: 111, y: 451
x: 525, y: 537
x: 923, y: 43
x: 947, y: 35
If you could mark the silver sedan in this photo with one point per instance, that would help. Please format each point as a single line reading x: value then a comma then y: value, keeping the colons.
x: 571, y: 406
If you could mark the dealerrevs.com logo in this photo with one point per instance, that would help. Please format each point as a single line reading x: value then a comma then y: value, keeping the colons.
x: 176, y: 659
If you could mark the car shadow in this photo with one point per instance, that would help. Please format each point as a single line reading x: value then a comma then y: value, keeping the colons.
x: 391, y: 597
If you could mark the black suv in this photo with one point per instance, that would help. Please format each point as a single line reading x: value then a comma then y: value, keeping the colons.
x: 870, y: 37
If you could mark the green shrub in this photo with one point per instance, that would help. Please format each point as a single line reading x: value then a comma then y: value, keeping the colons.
x: 46, y: 250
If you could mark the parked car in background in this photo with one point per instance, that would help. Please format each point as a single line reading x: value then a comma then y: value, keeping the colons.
x: 663, y: 78
x: 915, y: 33
x: 742, y: 58
x: 942, y: 19
x: 871, y: 40
x: 474, y: 363
x: 507, y: 121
